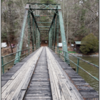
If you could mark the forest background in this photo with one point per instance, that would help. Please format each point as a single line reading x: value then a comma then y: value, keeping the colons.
x: 81, y: 19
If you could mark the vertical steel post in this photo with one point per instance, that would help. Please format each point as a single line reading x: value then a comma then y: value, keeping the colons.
x: 65, y: 55
x: 33, y: 36
x: 63, y: 34
x: 59, y: 53
x: 39, y: 39
x: 50, y: 38
x: 19, y: 48
x: 2, y: 65
x: 36, y: 38
x: 57, y: 42
x: 57, y: 33
x: 32, y: 42
x: 29, y: 33
x: 54, y: 35
x: 78, y: 65
x: 18, y: 55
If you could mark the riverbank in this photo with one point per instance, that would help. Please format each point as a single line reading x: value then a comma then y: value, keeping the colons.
x: 7, y: 50
x: 92, y: 55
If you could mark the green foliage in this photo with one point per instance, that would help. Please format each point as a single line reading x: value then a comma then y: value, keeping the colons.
x: 43, y: 18
x: 2, y: 1
x: 89, y: 44
x: 47, y: 1
x: 82, y: 30
x: 3, y: 36
x: 10, y: 3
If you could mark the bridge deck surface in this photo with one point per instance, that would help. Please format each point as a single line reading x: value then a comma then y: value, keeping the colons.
x: 44, y: 76
x: 86, y: 91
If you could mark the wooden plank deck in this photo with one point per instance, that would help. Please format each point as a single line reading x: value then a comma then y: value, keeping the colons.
x: 62, y: 87
x: 44, y: 76
x: 39, y: 87
x: 17, y: 83
x: 86, y: 91
x: 7, y: 76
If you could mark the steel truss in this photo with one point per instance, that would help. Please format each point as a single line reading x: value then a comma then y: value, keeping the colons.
x: 34, y: 31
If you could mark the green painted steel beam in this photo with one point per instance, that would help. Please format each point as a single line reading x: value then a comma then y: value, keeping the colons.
x: 57, y: 31
x: 57, y: 41
x: 63, y: 34
x: 35, y: 20
x: 58, y: 7
x: 37, y: 32
x: 19, y: 48
x: 46, y: 6
x: 45, y: 9
x: 37, y: 39
x: 50, y: 38
x: 54, y: 35
x: 42, y: 16
x: 50, y: 30
x: 52, y: 21
x: 2, y: 64
x: 29, y: 31
x: 44, y: 26
x: 44, y: 22
x: 33, y: 35
x: 43, y: 3
x: 44, y: 30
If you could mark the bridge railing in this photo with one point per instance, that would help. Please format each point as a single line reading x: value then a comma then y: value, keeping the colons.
x: 7, y: 61
x: 78, y: 66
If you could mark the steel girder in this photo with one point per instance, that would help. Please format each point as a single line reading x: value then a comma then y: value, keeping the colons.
x: 62, y: 31
x: 64, y: 43
x: 33, y: 37
x: 19, y: 48
x: 53, y: 30
x: 30, y: 34
x: 57, y: 33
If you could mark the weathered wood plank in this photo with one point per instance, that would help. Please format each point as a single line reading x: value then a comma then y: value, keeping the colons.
x: 39, y: 88
x: 64, y: 88
x: 82, y: 86
x: 13, y: 87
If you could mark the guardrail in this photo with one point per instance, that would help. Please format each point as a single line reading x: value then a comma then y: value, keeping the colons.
x: 64, y: 54
x: 4, y: 64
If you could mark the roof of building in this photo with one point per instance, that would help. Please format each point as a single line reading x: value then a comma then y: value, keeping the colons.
x: 77, y: 42
x: 3, y: 44
x: 59, y: 44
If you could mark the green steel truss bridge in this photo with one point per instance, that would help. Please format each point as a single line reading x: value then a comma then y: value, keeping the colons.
x: 44, y: 73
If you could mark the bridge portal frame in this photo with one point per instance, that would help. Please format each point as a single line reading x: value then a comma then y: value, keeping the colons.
x: 53, y: 30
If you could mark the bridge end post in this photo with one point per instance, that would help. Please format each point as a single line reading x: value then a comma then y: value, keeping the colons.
x: 19, y: 47
x: 63, y: 36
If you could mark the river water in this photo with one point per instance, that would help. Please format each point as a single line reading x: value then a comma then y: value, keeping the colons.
x: 91, y: 69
